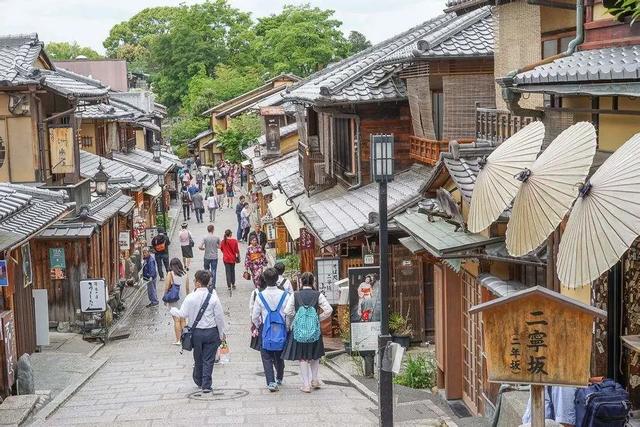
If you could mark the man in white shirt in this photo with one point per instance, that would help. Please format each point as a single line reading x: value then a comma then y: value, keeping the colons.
x: 209, y: 331
x: 271, y: 360
x: 283, y: 283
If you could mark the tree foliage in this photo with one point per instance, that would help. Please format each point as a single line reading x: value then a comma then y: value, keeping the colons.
x: 241, y: 133
x: 624, y: 9
x: 357, y: 42
x: 65, y: 50
x: 300, y: 40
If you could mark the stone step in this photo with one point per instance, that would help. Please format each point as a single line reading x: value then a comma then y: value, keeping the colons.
x: 15, y: 409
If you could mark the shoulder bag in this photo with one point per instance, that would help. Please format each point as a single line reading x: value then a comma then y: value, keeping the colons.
x: 191, y: 242
x: 186, y: 339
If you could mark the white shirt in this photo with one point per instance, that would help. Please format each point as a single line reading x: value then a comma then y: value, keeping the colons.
x: 325, y: 307
x: 286, y: 284
x: 213, y: 315
x: 272, y: 295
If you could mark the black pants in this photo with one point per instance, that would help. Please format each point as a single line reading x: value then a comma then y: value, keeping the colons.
x: 272, y: 360
x: 186, y: 212
x: 230, y: 271
x: 161, y: 259
x: 205, y: 347
x: 198, y: 213
x: 245, y: 233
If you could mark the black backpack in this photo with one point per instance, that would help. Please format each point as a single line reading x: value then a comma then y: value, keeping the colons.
x: 605, y: 404
x: 185, y: 197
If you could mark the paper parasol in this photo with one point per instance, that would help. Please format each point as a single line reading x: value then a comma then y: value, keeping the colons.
x: 549, y: 188
x: 496, y: 185
x: 605, y: 219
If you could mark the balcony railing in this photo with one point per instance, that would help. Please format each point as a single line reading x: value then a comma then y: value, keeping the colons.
x: 497, y: 125
x: 427, y: 151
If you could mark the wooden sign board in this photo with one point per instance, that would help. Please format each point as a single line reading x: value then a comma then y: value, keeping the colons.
x: 328, y: 274
x: 61, y: 149
x: 8, y: 335
x: 537, y: 336
x: 272, y: 135
x: 275, y: 110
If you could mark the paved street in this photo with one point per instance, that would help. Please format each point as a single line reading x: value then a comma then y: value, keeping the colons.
x: 146, y: 380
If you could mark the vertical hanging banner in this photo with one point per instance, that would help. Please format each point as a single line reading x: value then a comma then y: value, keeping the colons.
x: 57, y: 263
x: 307, y: 246
x: 364, y: 307
x: 328, y: 274
x: 61, y: 149
x: 272, y: 135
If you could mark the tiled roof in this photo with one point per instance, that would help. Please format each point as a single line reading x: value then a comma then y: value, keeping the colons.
x: 362, y: 77
x: 293, y: 185
x: 121, y: 175
x: 463, y: 168
x: 143, y: 160
x: 613, y: 64
x: 59, y: 196
x: 336, y: 218
x: 458, y: 5
x: 468, y: 35
x: 202, y: 134
x: 25, y: 214
x: 18, y: 55
x: 101, y: 209
x: 104, y: 111
x: 282, y: 168
x: 62, y: 230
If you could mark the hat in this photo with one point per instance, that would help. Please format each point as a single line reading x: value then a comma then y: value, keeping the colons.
x: 184, y: 225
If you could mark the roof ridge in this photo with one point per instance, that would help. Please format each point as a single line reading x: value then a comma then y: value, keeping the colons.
x: 455, y: 27
x: 75, y: 76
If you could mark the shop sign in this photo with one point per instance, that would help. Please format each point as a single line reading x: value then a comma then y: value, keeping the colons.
x: 307, y: 241
x: 4, y: 274
x: 272, y: 134
x: 61, y: 150
x: 124, y: 240
x: 365, y: 309
x: 27, y: 272
x: 57, y: 263
x: 93, y: 295
x: 328, y: 274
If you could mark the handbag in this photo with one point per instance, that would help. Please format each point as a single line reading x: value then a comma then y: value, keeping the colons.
x: 246, y: 275
x: 191, y: 242
x: 172, y: 294
x: 186, y: 338
x: 256, y: 338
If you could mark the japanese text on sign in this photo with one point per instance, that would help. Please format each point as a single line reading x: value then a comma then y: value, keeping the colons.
x: 93, y: 295
x: 328, y: 271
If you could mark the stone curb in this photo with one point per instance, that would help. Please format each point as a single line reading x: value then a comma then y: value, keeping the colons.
x: 68, y: 392
x: 352, y: 380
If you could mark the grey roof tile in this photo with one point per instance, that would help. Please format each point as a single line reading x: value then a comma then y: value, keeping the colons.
x: 340, y: 216
x: 69, y: 230
x: 598, y: 65
x: 101, y: 209
x: 122, y: 175
x: 293, y: 185
x: 282, y: 168
x: 143, y: 160
x: 363, y: 77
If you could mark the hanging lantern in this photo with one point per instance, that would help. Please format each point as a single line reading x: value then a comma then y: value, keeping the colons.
x: 101, y: 178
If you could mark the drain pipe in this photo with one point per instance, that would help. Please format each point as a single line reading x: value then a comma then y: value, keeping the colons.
x: 511, y: 97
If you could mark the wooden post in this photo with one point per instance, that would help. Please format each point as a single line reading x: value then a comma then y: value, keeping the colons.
x: 537, y: 406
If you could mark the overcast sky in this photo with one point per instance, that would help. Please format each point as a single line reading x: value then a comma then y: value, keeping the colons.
x: 88, y: 21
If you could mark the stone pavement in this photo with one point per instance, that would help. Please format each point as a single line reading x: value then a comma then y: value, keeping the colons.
x: 146, y: 380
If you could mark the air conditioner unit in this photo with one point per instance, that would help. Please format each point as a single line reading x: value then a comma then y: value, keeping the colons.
x: 319, y: 173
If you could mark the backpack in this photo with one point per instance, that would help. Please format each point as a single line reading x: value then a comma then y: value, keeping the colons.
x: 160, y: 245
x: 306, y: 323
x: 600, y: 405
x: 274, y: 330
x: 186, y: 199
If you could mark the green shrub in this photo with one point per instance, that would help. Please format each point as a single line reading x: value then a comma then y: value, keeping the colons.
x: 419, y: 372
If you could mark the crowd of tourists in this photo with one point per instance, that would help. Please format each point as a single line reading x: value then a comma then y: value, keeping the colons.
x: 283, y: 323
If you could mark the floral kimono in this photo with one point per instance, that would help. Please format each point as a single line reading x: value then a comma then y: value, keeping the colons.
x: 255, y: 262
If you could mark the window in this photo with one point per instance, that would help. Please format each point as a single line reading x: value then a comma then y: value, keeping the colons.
x: 553, y: 45
x: 343, y: 142
x: 437, y: 108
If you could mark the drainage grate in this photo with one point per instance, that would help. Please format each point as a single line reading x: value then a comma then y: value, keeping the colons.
x: 286, y: 374
x: 219, y: 394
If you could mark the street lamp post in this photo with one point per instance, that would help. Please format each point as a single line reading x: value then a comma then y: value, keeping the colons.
x: 161, y: 183
x: 157, y: 152
x: 382, y: 172
x: 101, y: 179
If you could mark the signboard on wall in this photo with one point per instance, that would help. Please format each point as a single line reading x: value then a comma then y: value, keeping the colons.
x: 27, y: 271
x: 272, y: 134
x: 271, y: 232
x: 124, y: 240
x: 328, y: 274
x: 307, y: 241
x: 10, y: 351
x: 61, y: 150
x: 4, y: 274
x: 57, y: 263
x: 93, y: 295
x: 364, y: 307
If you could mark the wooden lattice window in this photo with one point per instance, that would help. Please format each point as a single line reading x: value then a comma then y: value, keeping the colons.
x: 86, y: 141
x: 472, y: 344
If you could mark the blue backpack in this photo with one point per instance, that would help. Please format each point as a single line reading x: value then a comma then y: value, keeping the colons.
x: 605, y: 404
x: 306, y: 323
x: 274, y: 330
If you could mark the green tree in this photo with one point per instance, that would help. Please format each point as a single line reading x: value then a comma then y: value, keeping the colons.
x: 200, y: 37
x: 357, y: 42
x: 65, y: 50
x: 624, y: 9
x: 300, y: 40
x: 181, y: 129
x: 204, y: 92
x: 241, y: 133
x: 132, y: 39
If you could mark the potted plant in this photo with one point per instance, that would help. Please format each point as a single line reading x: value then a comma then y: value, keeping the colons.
x: 400, y: 329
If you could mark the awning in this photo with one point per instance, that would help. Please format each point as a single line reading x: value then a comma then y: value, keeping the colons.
x: 261, y: 176
x: 293, y: 223
x: 126, y: 209
x: 266, y: 190
x: 208, y: 143
x: 278, y: 206
x: 154, y: 191
x: 411, y: 244
x: 498, y: 286
x: 439, y: 237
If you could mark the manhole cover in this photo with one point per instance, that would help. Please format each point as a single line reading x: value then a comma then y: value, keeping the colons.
x: 219, y: 394
x: 286, y: 374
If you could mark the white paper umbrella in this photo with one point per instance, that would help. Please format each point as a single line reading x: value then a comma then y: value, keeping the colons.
x: 605, y: 219
x: 496, y: 185
x: 549, y: 188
